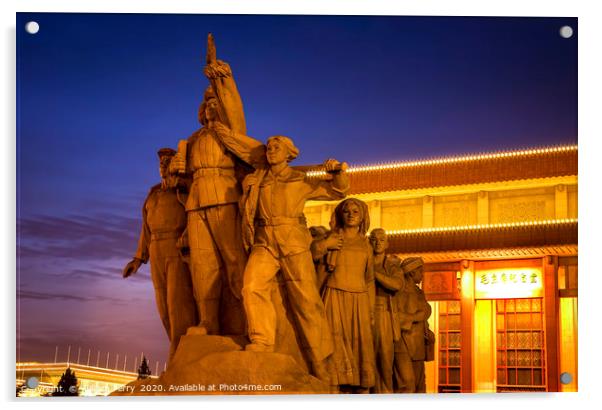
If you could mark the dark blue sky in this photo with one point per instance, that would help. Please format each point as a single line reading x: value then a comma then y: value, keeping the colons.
x: 98, y: 94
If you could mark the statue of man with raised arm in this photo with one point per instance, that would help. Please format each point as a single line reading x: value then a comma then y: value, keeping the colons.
x: 216, y: 162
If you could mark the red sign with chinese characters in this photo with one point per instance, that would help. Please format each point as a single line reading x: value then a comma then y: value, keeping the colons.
x: 509, y: 283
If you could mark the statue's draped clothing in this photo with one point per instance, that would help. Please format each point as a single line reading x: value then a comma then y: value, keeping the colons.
x: 348, y: 297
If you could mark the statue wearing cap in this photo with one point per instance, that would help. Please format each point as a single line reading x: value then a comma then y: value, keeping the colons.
x: 414, y: 311
x: 163, y: 222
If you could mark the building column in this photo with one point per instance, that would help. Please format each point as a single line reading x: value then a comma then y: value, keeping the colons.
x: 427, y: 211
x: 483, y: 208
x: 466, y: 324
x: 561, y: 201
x: 551, y: 307
x: 375, y: 214
x: 325, y: 213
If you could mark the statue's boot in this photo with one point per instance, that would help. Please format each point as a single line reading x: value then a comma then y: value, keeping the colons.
x: 197, y: 330
x: 259, y: 347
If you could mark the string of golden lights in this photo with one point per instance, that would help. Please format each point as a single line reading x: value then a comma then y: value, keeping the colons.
x: 454, y: 159
x: 75, y: 367
x: 547, y: 222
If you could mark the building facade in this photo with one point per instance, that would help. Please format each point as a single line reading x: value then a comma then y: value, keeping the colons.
x: 498, y: 233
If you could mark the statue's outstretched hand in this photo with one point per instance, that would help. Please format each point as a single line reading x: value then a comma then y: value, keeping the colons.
x: 217, y: 69
x: 209, y: 71
x: 131, y: 268
x: 332, y: 165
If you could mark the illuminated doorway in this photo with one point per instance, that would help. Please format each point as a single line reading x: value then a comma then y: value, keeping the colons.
x: 509, y: 345
x: 520, y: 345
x: 450, y: 345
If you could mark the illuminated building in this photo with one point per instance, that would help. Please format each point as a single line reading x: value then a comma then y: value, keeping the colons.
x: 498, y: 233
x: 92, y: 381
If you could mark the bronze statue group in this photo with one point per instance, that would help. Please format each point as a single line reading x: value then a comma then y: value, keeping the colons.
x: 226, y: 225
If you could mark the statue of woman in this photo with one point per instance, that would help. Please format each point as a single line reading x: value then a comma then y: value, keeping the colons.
x: 348, y: 295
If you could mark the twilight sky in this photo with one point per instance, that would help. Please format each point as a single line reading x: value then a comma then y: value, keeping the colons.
x: 98, y: 94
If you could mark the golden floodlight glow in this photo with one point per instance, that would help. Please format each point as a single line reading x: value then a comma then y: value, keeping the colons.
x: 481, y: 227
x: 509, y: 283
x: 447, y: 160
x: 467, y: 280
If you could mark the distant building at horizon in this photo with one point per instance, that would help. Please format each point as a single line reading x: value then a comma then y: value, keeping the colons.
x: 92, y: 380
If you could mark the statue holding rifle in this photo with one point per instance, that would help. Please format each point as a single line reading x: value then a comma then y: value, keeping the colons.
x: 215, y: 161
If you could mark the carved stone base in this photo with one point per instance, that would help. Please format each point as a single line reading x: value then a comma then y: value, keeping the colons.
x: 219, y: 365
